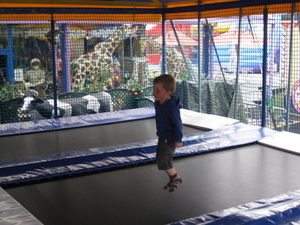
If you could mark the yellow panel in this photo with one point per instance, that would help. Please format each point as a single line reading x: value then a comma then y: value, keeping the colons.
x: 204, y: 2
x: 178, y: 16
x: 110, y: 4
x: 257, y: 10
x: 297, y: 8
x: 110, y: 17
x: 85, y: 17
x: 97, y: 4
x: 73, y: 3
x: 181, y: 4
x: 207, y: 14
x: 195, y: 3
x: 25, y: 17
x: 272, y: 9
x: 221, y: 13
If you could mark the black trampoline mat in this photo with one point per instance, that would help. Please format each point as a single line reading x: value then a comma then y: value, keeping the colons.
x: 52, y: 142
x: 134, y: 195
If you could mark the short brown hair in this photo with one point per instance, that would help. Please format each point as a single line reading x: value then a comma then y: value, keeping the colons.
x: 167, y: 81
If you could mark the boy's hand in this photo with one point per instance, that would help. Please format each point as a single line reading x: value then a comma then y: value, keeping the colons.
x: 178, y: 144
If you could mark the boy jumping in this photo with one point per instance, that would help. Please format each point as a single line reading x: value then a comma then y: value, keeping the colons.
x: 168, y: 125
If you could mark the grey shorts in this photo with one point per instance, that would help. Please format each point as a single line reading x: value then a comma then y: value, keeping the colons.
x: 164, y: 154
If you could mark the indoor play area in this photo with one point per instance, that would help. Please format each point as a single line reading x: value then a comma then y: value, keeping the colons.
x: 78, y: 134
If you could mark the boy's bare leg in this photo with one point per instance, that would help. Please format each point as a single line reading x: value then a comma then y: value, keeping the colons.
x: 171, y: 171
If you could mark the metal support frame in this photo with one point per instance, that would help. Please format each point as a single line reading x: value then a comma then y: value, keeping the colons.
x: 182, y: 52
x: 288, y: 103
x: 238, y: 63
x: 164, y: 52
x: 9, y: 55
x: 54, y: 69
x: 199, y: 59
x: 264, y: 68
x: 65, y: 53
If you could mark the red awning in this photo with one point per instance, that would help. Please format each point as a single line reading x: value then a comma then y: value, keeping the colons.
x: 157, y: 29
x: 184, y: 39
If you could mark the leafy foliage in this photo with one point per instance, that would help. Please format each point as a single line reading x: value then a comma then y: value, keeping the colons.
x: 8, y: 91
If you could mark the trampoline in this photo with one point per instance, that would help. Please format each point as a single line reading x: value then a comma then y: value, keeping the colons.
x: 21, y: 146
x: 135, y: 195
x: 212, y: 181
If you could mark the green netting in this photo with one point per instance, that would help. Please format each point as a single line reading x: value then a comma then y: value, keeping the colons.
x: 219, y: 65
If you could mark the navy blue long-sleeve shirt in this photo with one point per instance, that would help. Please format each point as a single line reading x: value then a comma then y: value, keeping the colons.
x: 168, y: 120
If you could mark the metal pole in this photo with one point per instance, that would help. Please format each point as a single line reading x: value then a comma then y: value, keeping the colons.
x: 199, y: 61
x: 164, y: 52
x: 264, y: 68
x: 292, y: 57
x: 10, y: 55
x: 205, y: 51
x: 181, y: 51
x: 237, y: 64
x: 255, y: 41
x: 54, y: 69
x: 65, y: 53
x: 215, y: 48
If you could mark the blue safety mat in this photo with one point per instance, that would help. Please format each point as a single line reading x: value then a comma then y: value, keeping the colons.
x: 76, y: 121
x: 36, y: 168
x: 283, y: 209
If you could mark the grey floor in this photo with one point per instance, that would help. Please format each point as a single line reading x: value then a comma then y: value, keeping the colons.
x: 134, y: 195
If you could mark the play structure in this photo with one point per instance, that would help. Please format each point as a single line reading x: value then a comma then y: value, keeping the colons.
x: 88, y: 67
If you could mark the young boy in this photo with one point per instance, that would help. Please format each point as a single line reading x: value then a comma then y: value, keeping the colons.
x: 168, y: 125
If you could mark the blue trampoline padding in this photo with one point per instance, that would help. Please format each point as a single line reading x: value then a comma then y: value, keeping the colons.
x: 76, y: 121
x: 13, y: 212
x: 283, y: 209
x: 35, y: 168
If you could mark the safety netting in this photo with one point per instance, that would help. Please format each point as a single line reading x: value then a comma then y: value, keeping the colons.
x: 241, y: 65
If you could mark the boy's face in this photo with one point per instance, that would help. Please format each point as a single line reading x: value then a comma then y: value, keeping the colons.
x: 160, y: 94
